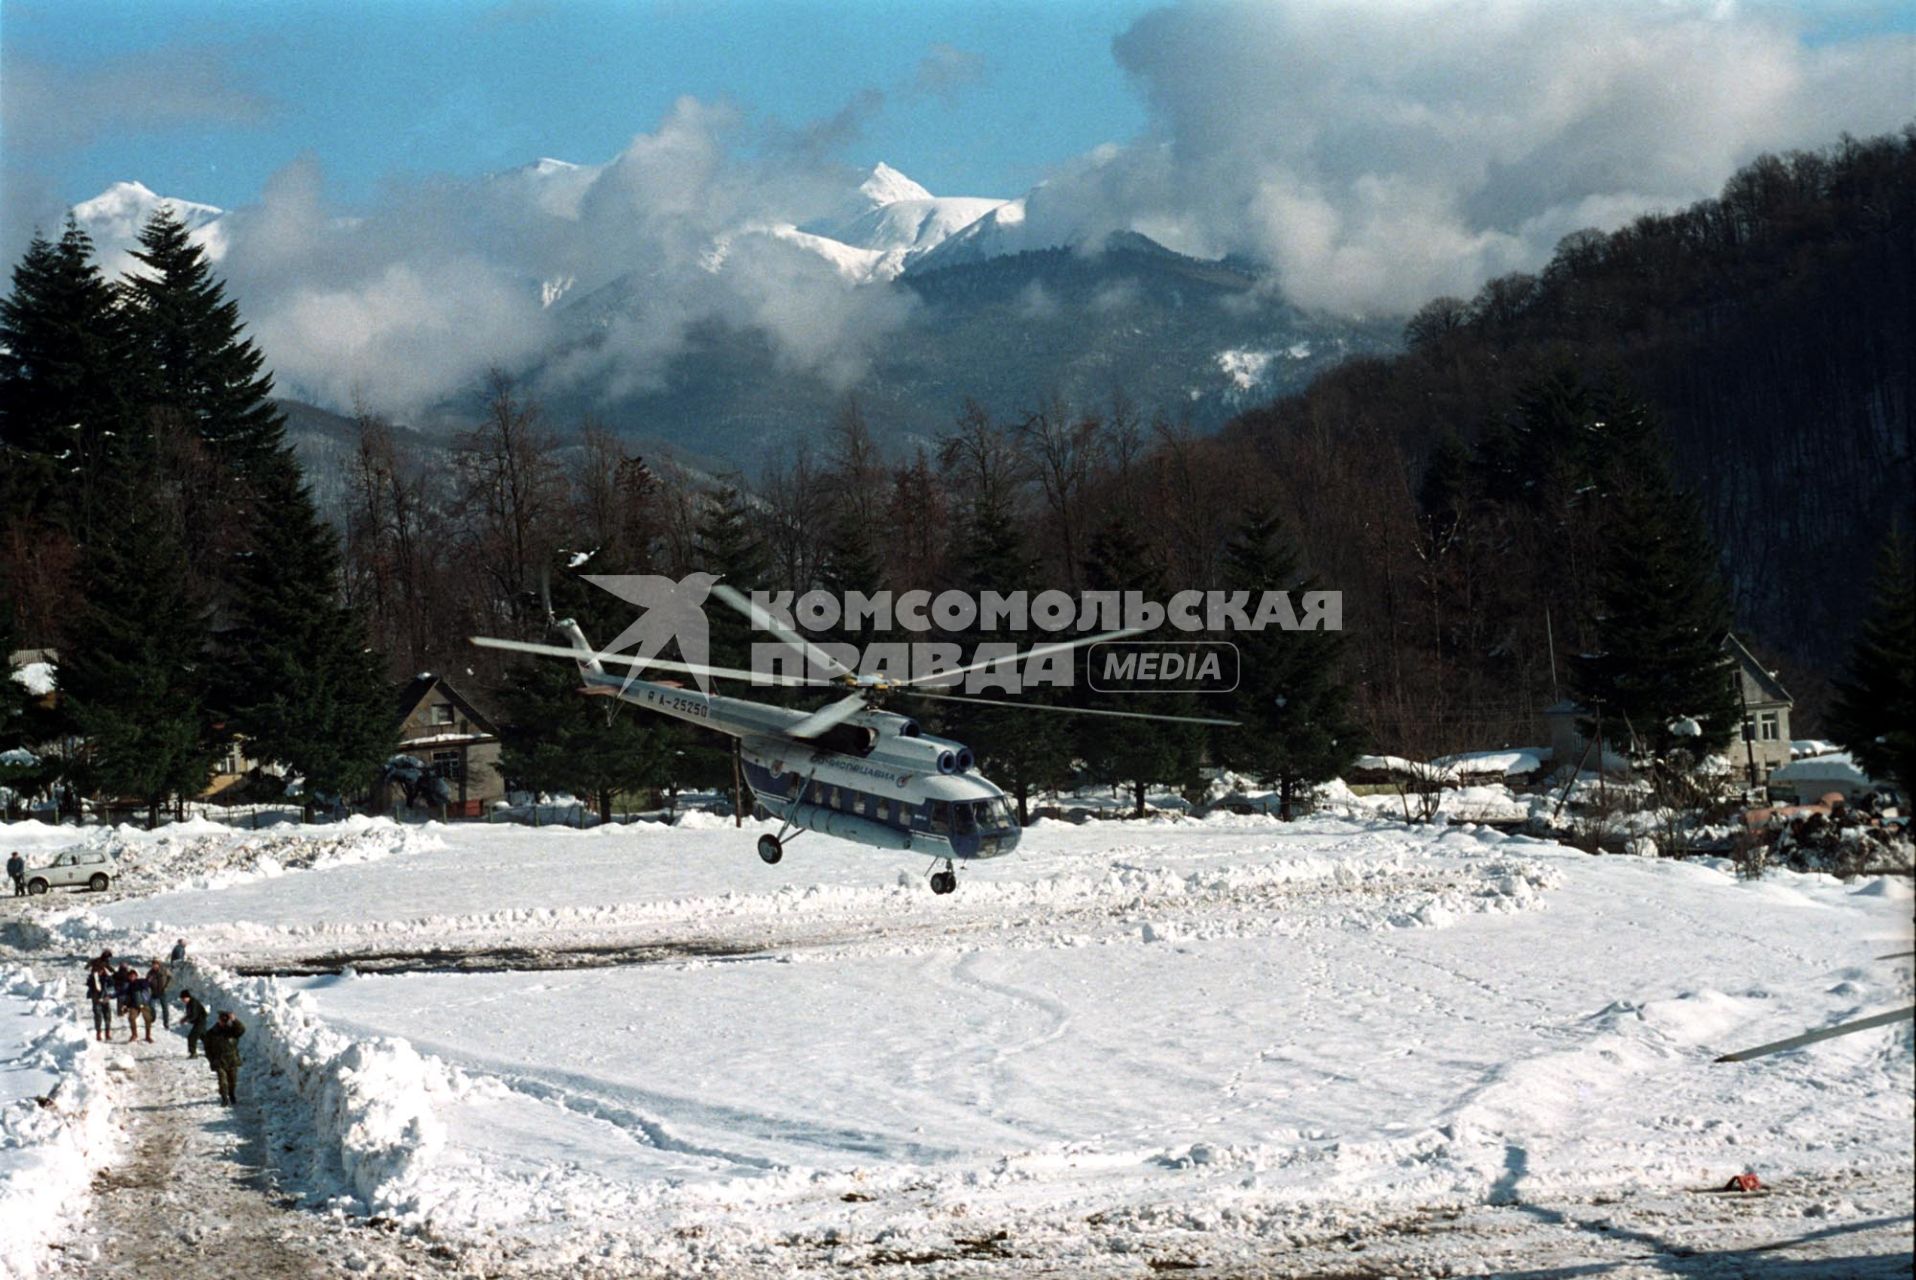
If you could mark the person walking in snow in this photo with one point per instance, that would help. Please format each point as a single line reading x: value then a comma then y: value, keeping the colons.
x: 99, y: 993
x: 193, y: 1017
x: 223, y: 1055
x: 139, y: 1007
x: 178, y: 957
x: 158, y: 979
x: 17, y: 869
x: 122, y: 988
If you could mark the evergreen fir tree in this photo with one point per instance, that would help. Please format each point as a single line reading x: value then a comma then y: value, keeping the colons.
x: 1874, y: 718
x: 1023, y: 750
x: 727, y: 543
x: 299, y: 683
x: 192, y: 361
x: 135, y: 681
x: 556, y: 739
x: 1295, y: 724
x: 63, y: 409
x: 1135, y: 753
x: 1660, y: 609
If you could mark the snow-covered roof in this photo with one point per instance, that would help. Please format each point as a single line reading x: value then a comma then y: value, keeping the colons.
x: 40, y: 678
x: 1510, y: 760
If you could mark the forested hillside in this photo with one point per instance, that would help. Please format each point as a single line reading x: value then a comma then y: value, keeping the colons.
x: 1769, y: 330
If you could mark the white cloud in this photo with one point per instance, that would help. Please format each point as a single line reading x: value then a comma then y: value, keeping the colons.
x: 1378, y: 153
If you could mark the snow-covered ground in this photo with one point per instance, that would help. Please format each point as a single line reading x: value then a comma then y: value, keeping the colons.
x: 55, y: 1126
x: 1180, y: 1042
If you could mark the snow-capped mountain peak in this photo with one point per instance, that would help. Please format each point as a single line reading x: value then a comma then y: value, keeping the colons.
x: 132, y: 203
x: 885, y: 185
x: 114, y: 218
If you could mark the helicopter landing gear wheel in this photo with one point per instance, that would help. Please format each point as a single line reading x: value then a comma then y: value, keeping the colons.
x: 770, y: 849
x: 943, y: 882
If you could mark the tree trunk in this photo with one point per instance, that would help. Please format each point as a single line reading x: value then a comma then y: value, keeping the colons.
x: 605, y: 807
x: 1137, y: 790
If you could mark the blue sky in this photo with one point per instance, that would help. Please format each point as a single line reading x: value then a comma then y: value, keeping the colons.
x: 207, y: 98
x: 1370, y: 154
x: 977, y: 97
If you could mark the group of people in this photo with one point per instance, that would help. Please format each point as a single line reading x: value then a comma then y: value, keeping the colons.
x: 123, y: 991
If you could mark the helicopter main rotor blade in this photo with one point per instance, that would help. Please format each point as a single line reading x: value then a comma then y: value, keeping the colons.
x: 626, y: 659
x: 1825, y: 1033
x: 832, y: 713
x: 1071, y: 711
x: 815, y: 657
x: 1043, y: 650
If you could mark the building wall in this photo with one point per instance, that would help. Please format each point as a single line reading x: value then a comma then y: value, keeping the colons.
x: 439, y: 732
x: 1766, y: 731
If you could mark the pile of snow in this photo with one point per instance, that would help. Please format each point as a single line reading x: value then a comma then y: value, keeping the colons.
x: 202, y: 854
x: 369, y: 1129
x: 55, y: 1124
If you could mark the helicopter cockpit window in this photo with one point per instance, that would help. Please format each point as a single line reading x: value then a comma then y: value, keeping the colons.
x: 967, y: 818
x: 941, y: 817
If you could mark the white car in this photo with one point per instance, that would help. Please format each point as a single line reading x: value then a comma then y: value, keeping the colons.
x: 74, y: 869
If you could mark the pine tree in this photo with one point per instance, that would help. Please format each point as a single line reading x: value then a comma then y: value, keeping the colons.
x: 1024, y: 748
x: 299, y: 683
x: 1295, y: 724
x: 1660, y: 608
x: 190, y: 358
x: 295, y: 678
x: 557, y: 739
x: 727, y: 543
x: 135, y: 681
x: 1134, y: 753
x: 63, y: 408
x: 1874, y: 718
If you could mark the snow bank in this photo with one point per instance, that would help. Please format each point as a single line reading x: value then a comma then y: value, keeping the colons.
x: 55, y: 1124
x: 202, y: 854
x: 369, y: 1107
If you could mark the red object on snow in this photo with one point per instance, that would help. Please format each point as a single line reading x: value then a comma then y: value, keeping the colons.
x: 1743, y: 1182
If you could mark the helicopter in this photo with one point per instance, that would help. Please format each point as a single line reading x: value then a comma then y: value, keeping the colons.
x: 849, y: 769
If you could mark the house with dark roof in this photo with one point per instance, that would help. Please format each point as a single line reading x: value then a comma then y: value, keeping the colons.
x: 1762, y: 748
x: 454, y: 740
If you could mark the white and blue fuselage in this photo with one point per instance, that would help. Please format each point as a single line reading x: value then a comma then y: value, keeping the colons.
x: 875, y: 779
